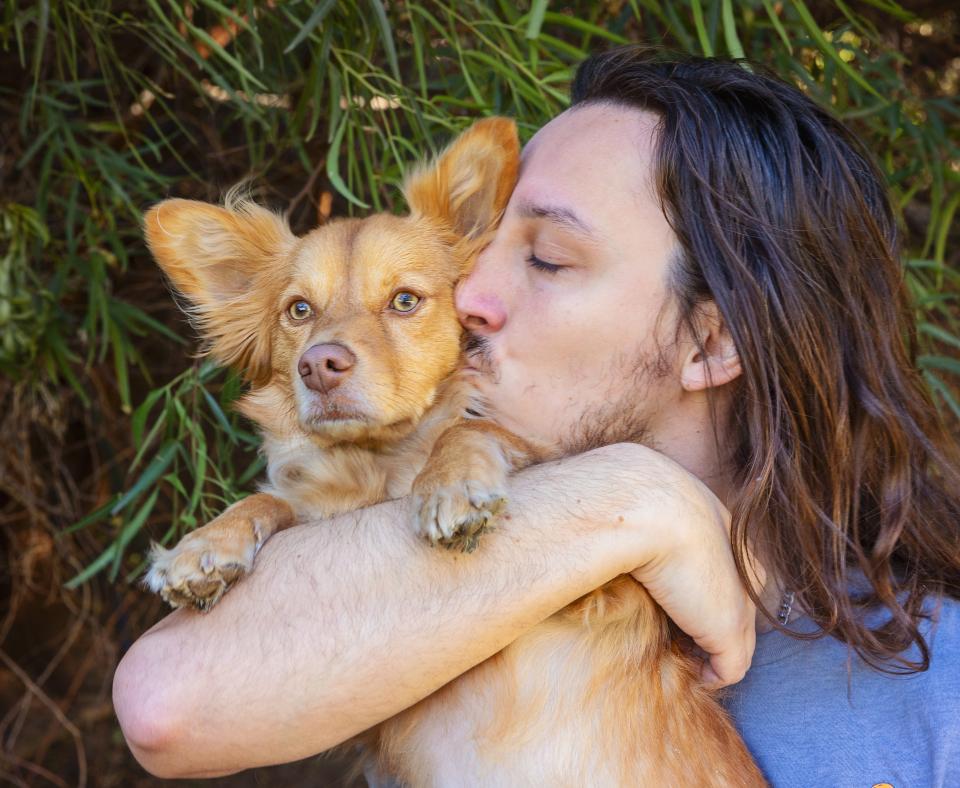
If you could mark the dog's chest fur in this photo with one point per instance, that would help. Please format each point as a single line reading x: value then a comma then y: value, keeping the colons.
x: 322, y: 481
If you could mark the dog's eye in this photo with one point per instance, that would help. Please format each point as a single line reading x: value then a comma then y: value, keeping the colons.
x: 300, y: 310
x: 405, y: 302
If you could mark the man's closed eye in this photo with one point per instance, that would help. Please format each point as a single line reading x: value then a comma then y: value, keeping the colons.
x: 543, y: 265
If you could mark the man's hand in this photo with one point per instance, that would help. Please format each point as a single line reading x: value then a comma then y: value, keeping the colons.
x: 691, y: 578
x: 691, y: 572
x: 679, y: 530
x: 346, y: 623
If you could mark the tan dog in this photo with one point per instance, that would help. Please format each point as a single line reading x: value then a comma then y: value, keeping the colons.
x: 351, y: 344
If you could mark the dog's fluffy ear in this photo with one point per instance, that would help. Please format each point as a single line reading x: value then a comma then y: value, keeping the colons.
x: 468, y: 185
x: 227, y: 263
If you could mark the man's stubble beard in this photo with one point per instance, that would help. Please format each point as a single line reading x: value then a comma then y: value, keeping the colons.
x: 624, y: 419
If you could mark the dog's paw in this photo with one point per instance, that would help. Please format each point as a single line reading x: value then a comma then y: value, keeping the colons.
x: 204, y: 564
x: 455, y: 515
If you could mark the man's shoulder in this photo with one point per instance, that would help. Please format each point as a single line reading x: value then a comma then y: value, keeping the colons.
x: 943, y: 629
x: 942, y: 679
x: 941, y: 633
x: 812, y: 712
x: 940, y: 629
x: 821, y: 663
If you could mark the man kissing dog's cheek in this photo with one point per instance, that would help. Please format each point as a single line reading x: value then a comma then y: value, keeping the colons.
x: 575, y: 340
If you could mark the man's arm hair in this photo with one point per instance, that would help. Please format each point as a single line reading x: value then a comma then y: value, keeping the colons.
x: 345, y: 623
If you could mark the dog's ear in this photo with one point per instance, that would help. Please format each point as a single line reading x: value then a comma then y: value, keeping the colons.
x: 468, y: 185
x: 227, y: 263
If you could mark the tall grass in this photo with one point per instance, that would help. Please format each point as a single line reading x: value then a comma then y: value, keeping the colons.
x: 113, y: 433
x: 120, y: 104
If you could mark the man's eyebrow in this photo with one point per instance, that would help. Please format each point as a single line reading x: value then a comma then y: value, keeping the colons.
x: 557, y: 214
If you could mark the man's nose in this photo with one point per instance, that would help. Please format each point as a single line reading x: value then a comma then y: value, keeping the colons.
x: 478, y: 298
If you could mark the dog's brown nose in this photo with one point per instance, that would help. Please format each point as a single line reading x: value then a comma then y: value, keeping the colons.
x: 324, y: 367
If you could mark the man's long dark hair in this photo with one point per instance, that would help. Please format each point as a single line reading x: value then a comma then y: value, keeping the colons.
x: 842, y: 465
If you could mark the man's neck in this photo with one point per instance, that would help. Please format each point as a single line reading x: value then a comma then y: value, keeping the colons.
x: 702, y: 459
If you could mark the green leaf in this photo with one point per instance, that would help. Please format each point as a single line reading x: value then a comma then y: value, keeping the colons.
x: 701, y: 29
x: 940, y: 362
x: 43, y: 24
x: 386, y: 36
x: 943, y: 391
x: 95, y: 516
x: 538, y: 8
x: 734, y: 47
x: 777, y: 25
x: 333, y: 156
x: 199, y: 473
x: 98, y: 563
x: 215, y: 47
x: 938, y: 333
x: 139, y: 418
x: 828, y: 49
x: 892, y: 8
x: 252, y: 470
x: 153, y: 472
x: 946, y: 221
x: 130, y: 530
x: 218, y: 413
x: 319, y: 14
x: 584, y: 27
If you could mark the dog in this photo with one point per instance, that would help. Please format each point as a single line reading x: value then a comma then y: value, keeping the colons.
x: 351, y: 345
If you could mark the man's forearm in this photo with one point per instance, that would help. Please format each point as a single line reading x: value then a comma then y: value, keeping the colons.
x: 343, y: 624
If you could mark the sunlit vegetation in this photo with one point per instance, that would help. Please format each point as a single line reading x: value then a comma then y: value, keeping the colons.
x: 114, y: 433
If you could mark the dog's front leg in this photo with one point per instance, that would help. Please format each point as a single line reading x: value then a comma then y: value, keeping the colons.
x: 206, y: 562
x: 463, y: 485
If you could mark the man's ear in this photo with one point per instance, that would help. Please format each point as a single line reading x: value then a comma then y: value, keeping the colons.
x: 468, y: 185
x: 228, y: 265
x: 714, y: 359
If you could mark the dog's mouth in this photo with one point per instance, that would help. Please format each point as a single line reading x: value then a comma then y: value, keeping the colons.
x: 330, y: 414
x: 354, y: 412
x: 342, y: 419
x: 333, y: 424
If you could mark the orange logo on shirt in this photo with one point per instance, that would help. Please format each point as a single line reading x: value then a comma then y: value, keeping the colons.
x: 882, y: 785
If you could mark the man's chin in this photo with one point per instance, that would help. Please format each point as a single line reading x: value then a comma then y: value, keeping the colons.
x: 617, y: 422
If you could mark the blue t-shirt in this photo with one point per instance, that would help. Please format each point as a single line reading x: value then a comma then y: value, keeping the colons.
x: 813, y: 714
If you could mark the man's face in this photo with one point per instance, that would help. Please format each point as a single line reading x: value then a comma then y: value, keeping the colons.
x: 567, y: 304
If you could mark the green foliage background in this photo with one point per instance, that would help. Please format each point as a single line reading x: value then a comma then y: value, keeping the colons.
x: 112, y: 433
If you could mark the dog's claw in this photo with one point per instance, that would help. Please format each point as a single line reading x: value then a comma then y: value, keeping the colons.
x: 455, y: 516
x: 202, y: 567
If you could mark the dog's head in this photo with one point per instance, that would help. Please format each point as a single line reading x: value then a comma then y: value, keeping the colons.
x: 352, y: 327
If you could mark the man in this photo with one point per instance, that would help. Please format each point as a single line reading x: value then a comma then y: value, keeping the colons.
x: 698, y: 259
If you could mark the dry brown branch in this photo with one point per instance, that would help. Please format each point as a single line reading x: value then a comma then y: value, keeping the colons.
x: 54, y: 709
x: 36, y: 768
